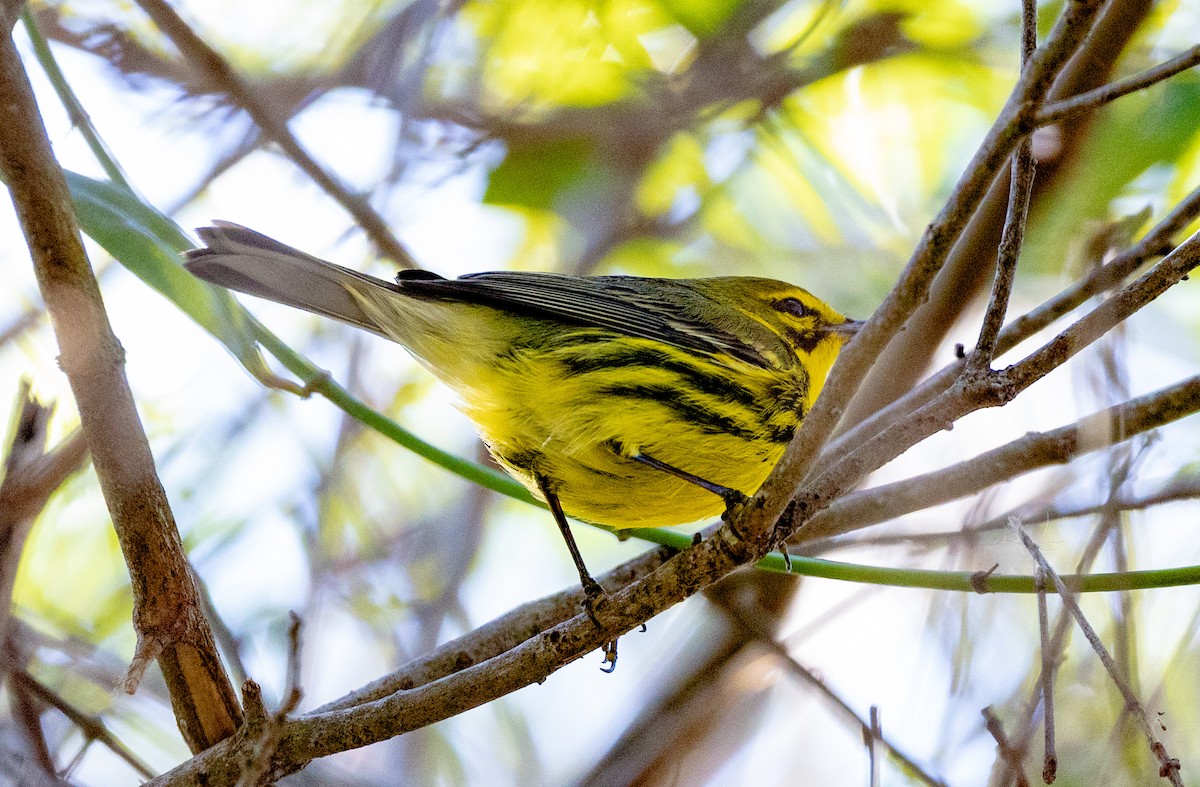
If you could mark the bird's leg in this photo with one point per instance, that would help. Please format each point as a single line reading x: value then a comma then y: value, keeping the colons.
x: 593, y: 593
x: 591, y: 588
x: 779, y: 536
x: 732, y: 497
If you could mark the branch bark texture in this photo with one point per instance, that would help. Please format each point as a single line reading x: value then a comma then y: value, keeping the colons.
x: 166, y: 614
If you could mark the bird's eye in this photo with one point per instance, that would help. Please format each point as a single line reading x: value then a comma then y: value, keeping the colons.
x: 794, y: 307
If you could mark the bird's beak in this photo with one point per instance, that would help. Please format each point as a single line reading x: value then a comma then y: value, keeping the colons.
x: 848, y: 328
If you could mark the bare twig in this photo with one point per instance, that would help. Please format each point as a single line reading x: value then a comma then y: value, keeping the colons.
x: 1169, y: 767
x: 1049, y: 665
x: 1093, y: 99
x: 995, y: 389
x: 1020, y: 191
x: 165, y: 605
x: 1062, y: 625
x: 873, y: 739
x: 752, y: 622
x: 31, y: 476
x: 1179, y: 488
x: 1168, y: 272
x: 1011, y: 237
x: 1030, y: 452
x: 1008, y: 754
x: 1156, y: 242
x: 92, y: 727
x: 209, y: 63
x: 26, y: 713
x: 267, y: 740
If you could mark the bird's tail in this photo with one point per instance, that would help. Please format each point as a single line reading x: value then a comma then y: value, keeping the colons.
x: 244, y: 260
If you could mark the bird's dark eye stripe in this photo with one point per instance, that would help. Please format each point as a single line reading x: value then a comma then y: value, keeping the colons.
x: 793, y: 306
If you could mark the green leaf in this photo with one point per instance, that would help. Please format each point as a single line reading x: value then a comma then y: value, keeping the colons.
x: 149, y: 244
x: 534, y: 173
x: 702, y: 18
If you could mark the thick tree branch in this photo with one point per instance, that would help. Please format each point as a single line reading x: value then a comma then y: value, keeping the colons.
x: 166, y: 611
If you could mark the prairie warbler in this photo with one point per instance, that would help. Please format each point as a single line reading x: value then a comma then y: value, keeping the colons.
x: 624, y: 401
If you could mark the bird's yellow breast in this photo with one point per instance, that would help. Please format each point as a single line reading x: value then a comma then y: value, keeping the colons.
x: 572, y: 416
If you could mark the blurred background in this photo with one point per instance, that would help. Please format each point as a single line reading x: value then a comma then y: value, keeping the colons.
x: 804, y: 140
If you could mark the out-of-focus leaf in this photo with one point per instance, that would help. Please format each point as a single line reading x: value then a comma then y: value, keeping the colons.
x: 649, y: 256
x: 702, y: 18
x: 588, y: 52
x: 534, y: 173
x: 954, y: 24
x: 149, y: 244
x: 1163, y: 121
x: 681, y: 166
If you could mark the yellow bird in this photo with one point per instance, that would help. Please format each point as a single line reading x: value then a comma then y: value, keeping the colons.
x: 619, y: 400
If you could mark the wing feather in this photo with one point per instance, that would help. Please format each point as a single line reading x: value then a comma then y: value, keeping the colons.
x: 654, y: 309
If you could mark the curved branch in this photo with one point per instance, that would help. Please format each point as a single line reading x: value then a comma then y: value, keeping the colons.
x: 212, y: 66
x: 166, y: 610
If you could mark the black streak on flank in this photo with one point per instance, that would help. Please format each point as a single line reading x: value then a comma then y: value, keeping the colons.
x: 673, y: 399
x: 710, y: 383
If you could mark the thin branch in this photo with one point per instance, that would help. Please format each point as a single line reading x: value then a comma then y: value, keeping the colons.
x: 752, y: 622
x: 1062, y: 628
x: 1177, y: 489
x: 92, y: 727
x: 1008, y: 253
x: 1156, y: 242
x: 1030, y: 452
x: 267, y: 740
x: 1020, y: 192
x: 209, y: 64
x: 165, y: 604
x: 1008, y: 754
x: 1169, y: 767
x: 995, y: 389
x: 1168, y: 272
x: 31, y: 476
x: 874, y: 738
x: 1049, y: 665
x: 1093, y: 99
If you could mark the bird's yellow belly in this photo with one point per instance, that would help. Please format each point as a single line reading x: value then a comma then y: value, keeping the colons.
x: 577, y: 432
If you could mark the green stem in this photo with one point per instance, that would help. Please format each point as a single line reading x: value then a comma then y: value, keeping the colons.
x: 317, y: 381
x: 79, y: 117
x: 962, y: 581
